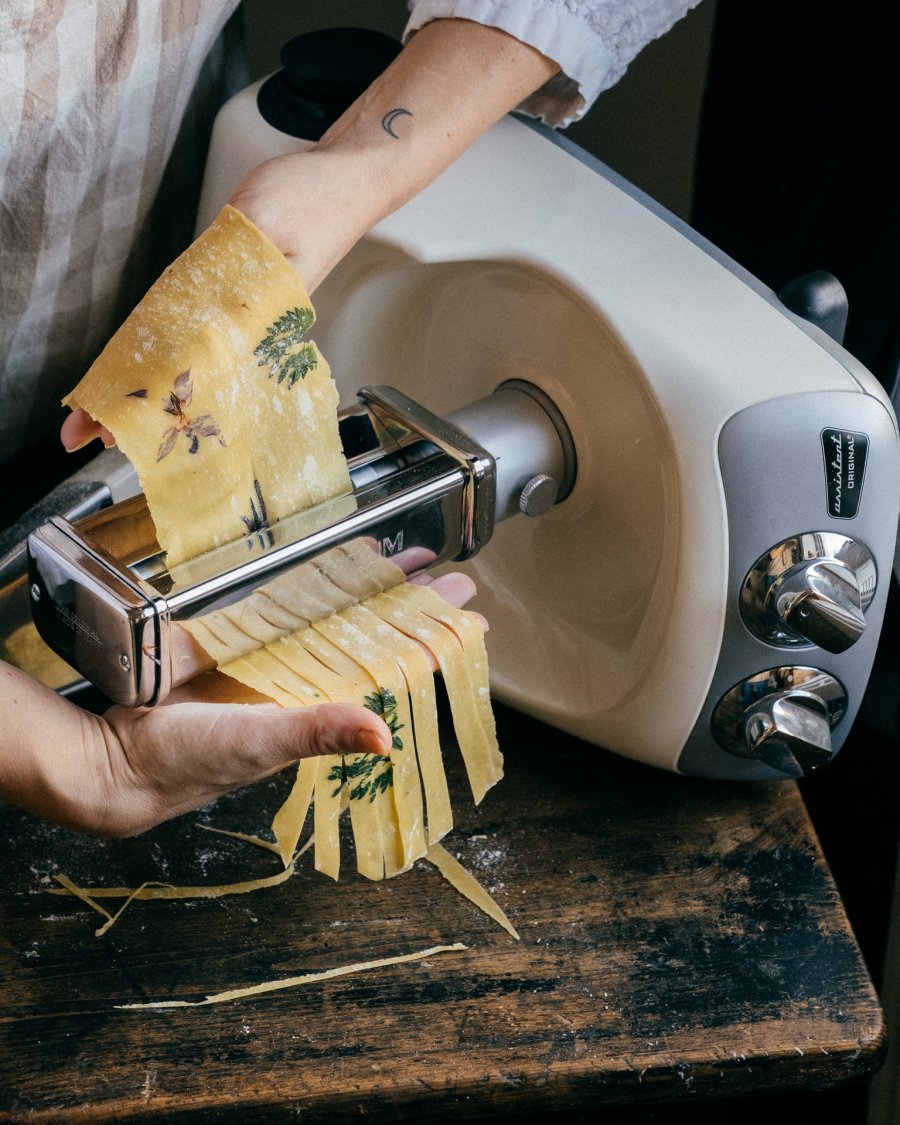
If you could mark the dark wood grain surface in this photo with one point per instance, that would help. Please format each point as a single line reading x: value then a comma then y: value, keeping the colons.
x: 679, y: 939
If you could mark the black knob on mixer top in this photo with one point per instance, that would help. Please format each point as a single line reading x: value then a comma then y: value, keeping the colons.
x: 323, y: 72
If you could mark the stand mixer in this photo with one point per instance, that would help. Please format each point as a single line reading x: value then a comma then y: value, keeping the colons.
x: 678, y: 500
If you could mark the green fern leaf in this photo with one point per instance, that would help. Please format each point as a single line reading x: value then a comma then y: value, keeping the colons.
x: 283, y: 349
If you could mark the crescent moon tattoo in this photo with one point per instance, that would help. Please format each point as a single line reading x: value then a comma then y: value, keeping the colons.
x: 391, y: 116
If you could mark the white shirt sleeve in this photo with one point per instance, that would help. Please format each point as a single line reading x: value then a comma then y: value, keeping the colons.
x: 593, y: 41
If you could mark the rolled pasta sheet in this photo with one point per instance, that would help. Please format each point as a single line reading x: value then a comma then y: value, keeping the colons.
x: 225, y: 408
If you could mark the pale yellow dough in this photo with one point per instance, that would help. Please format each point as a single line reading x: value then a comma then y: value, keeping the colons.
x: 244, y: 440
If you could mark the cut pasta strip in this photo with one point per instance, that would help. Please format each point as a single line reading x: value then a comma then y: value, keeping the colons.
x: 292, y: 651
x: 258, y: 841
x: 468, y: 886
x: 225, y: 631
x: 484, y: 764
x: 294, y: 982
x: 284, y: 620
x: 326, y: 816
x: 220, y: 652
x: 471, y: 637
x: 416, y: 669
x: 318, y: 585
x: 358, y: 568
x: 296, y: 597
x: 167, y: 891
x: 288, y: 822
x: 245, y: 673
x: 406, y: 789
x: 246, y: 617
x: 300, y: 688
x: 335, y: 658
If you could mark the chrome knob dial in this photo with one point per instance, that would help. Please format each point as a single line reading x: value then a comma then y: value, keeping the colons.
x: 788, y: 729
x: 822, y: 602
x: 812, y: 589
x: 782, y: 717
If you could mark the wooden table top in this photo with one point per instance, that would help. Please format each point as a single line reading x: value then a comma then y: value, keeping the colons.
x: 678, y: 937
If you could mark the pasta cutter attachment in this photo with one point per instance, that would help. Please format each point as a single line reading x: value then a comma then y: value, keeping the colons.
x: 425, y: 489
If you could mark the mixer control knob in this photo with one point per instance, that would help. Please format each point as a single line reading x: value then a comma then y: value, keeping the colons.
x: 811, y: 589
x: 783, y: 718
x: 786, y: 728
x: 821, y: 601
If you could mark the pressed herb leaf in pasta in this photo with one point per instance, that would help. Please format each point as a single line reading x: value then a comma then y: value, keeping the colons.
x: 384, y: 703
x: 283, y: 349
x: 362, y: 769
x: 257, y: 523
x: 204, y: 425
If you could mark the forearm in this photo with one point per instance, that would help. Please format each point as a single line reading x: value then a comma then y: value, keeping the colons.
x: 449, y: 84
x: 47, y: 764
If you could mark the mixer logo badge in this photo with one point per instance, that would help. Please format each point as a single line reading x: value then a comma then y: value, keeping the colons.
x: 845, y: 453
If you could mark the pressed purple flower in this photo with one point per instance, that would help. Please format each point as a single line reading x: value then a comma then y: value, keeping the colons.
x: 204, y: 425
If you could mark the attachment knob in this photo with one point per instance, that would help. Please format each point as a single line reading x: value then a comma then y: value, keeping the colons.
x: 538, y: 495
x: 782, y: 717
x: 811, y: 589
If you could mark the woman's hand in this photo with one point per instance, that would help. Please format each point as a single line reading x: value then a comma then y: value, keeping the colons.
x: 124, y: 772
